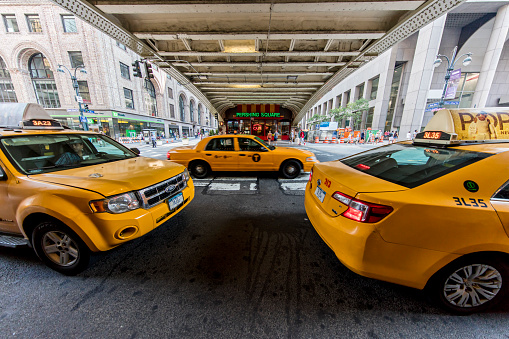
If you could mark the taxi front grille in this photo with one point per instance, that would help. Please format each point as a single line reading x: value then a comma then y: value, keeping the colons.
x: 155, y: 194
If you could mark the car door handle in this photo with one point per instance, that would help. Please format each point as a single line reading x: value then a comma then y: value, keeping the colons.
x: 208, y: 154
x: 242, y: 155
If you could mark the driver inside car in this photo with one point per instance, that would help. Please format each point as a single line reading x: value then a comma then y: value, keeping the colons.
x: 75, y: 155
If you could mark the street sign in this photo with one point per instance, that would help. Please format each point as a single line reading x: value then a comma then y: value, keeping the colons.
x: 79, y: 99
x: 73, y: 110
x: 83, y: 119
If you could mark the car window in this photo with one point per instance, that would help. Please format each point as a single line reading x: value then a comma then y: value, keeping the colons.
x: 33, y: 154
x: 410, y: 165
x: 220, y: 144
x: 503, y: 192
x: 246, y: 144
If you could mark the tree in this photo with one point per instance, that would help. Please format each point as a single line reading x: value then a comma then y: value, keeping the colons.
x: 317, y: 118
x: 353, y: 110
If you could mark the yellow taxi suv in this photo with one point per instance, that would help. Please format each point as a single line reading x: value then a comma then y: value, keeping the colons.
x: 242, y: 153
x: 70, y: 193
x: 431, y: 214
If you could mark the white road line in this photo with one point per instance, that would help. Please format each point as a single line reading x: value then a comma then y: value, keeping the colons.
x: 252, y: 187
x: 236, y: 179
x: 200, y: 184
x: 224, y: 187
x: 295, y: 186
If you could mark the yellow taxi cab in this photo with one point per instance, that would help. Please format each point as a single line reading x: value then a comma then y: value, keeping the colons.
x: 431, y: 214
x: 232, y: 152
x: 69, y: 193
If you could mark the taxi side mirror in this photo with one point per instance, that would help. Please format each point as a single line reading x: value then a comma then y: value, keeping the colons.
x: 263, y: 149
x: 135, y: 150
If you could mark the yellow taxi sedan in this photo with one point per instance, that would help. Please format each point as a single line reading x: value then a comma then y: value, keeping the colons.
x: 431, y: 214
x: 234, y: 152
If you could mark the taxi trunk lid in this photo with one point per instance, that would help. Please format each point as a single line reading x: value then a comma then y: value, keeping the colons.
x: 335, y: 176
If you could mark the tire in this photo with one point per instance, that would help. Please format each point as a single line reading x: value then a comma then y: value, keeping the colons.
x: 60, y: 248
x: 470, y: 285
x: 199, y: 169
x: 290, y: 169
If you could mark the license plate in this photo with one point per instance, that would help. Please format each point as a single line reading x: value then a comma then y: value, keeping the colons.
x: 320, y: 194
x: 176, y: 201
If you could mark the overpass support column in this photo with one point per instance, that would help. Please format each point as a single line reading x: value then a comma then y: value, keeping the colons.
x: 421, y: 75
x: 387, y: 62
x: 491, y: 58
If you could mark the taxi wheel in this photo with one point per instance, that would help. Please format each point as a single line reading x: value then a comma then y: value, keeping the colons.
x: 199, y: 169
x: 470, y: 285
x: 60, y: 248
x: 290, y: 169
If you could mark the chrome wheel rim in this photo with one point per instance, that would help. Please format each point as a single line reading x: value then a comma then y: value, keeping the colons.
x: 472, y: 285
x: 60, y: 248
x: 199, y: 169
x: 290, y: 169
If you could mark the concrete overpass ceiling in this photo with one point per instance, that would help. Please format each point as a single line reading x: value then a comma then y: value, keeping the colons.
x: 289, y: 52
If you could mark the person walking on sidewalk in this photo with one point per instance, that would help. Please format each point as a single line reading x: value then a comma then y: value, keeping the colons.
x: 302, y: 137
x: 154, y: 142
x: 269, y: 137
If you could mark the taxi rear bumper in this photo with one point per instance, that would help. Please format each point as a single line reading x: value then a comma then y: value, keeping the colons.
x: 361, y: 249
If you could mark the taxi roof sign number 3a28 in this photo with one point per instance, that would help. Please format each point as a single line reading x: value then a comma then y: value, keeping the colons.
x: 457, y: 126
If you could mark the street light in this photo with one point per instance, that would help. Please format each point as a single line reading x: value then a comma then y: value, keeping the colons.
x: 76, y: 87
x: 450, y: 67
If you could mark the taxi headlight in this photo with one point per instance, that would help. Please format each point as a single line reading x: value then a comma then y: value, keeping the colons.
x: 186, y: 175
x: 313, y: 158
x: 116, y: 204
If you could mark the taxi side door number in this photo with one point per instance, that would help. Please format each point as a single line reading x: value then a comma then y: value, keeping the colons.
x: 471, y: 202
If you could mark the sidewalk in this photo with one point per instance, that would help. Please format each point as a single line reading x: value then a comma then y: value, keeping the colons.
x: 165, y: 142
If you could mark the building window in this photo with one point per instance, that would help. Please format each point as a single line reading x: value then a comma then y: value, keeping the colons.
x: 128, y: 95
x: 124, y: 71
x: 182, y: 109
x: 199, y: 114
x: 11, y: 25
x: 43, y: 81
x: 69, y: 23
x: 34, y: 23
x: 84, y: 92
x: 121, y: 46
x: 172, y: 111
x: 369, y: 117
x: 7, y: 93
x: 150, y: 98
x: 360, y: 91
x: 396, y: 78
x: 374, y: 88
x: 170, y: 93
x: 76, y: 59
x: 191, y: 111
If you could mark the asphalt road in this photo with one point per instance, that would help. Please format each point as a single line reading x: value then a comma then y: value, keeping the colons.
x: 243, y: 263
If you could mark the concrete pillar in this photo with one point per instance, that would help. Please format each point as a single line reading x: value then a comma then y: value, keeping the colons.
x: 491, y: 57
x: 384, y: 88
x: 421, y: 75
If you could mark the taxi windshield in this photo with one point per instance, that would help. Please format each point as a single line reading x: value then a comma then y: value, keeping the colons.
x: 34, y: 154
x: 411, y: 165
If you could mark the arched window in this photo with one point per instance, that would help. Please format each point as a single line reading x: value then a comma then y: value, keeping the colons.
x: 150, y: 98
x: 182, y: 109
x: 191, y: 110
x: 7, y: 93
x: 199, y: 114
x: 43, y: 81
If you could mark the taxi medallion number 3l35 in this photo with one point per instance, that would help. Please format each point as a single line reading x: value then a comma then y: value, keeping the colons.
x: 176, y: 201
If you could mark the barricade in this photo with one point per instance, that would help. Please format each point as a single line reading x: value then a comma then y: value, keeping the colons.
x: 126, y: 140
x: 326, y: 141
x: 317, y: 140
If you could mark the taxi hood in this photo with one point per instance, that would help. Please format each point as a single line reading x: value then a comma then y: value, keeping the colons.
x: 351, y: 181
x: 114, y: 177
x: 287, y: 150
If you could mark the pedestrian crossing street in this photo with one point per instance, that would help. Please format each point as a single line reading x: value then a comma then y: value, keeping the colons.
x: 248, y: 185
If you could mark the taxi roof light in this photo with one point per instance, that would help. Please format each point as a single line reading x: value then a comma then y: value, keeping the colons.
x: 26, y: 116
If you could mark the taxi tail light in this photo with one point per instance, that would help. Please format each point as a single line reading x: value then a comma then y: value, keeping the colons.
x: 362, y: 211
x: 310, y: 175
x: 168, y: 155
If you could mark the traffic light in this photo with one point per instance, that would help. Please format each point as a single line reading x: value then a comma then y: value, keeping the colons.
x: 136, y: 69
x: 148, y: 69
x: 86, y: 108
x: 216, y: 116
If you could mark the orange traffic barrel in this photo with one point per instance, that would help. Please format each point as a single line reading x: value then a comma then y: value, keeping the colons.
x: 317, y: 140
x: 326, y: 141
x: 342, y: 140
x: 334, y: 140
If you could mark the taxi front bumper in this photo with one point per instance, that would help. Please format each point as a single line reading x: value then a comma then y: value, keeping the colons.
x: 104, y: 231
x: 361, y: 249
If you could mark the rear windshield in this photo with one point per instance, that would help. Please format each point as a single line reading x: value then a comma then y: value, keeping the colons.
x: 410, y: 165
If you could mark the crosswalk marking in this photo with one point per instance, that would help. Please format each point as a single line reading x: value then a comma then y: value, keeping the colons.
x: 299, y: 186
x: 216, y: 186
x: 249, y: 185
